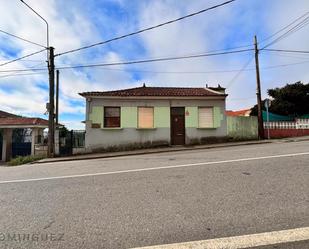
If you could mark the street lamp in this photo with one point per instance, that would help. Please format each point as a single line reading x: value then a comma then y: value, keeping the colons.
x: 47, y: 28
x: 51, y: 69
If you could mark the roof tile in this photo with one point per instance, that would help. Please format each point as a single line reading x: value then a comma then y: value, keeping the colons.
x: 157, y: 92
x: 23, y: 121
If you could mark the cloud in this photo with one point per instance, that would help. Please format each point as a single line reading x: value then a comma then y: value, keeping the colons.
x: 77, y: 23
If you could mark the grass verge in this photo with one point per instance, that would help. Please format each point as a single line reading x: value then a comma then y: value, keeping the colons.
x: 24, y: 159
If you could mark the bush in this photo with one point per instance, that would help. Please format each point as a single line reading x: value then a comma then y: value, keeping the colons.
x: 24, y: 159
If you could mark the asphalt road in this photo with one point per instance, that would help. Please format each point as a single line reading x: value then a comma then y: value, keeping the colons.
x: 156, y: 199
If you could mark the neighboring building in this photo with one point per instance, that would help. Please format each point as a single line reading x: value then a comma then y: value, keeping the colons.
x: 240, y: 113
x: 155, y: 115
x: 10, y: 123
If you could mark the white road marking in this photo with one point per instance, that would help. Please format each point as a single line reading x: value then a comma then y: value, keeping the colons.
x: 244, y: 241
x: 155, y: 168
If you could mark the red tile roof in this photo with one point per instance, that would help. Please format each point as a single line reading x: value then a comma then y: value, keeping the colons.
x: 157, y: 92
x: 23, y: 121
x: 245, y: 112
x: 4, y: 114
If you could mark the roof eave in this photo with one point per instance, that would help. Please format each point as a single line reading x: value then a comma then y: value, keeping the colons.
x: 219, y: 96
x: 16, y: 126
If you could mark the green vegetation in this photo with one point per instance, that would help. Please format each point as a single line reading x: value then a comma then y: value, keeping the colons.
x: 133, y: 146
x: 24, y: 159
x: 291, y: 100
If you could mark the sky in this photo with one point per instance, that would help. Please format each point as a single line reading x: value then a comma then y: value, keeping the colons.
x: 76, y: 23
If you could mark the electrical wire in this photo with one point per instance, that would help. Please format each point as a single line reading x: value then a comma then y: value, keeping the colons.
x: 22, y: 70
x: 155, y: 59
x: 26, y: 56
x: 21, y: 74
x: 287, y: 51
x: 232, y: 81
x: 285, y: 27
x: 292, y: 30
x: 304, y: 57
x: 131, y: 62
x: 20, y: 38
x: 147, y: 29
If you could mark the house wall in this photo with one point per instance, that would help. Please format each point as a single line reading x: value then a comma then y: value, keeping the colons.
x: 129, y: 133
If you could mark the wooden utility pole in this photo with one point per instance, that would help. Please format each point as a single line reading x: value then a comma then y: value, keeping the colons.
x: 51, y: 118
x: 57, y: 97
x: 258, y: 91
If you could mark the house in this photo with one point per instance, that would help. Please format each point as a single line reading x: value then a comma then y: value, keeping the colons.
x: 10, y: 125
x: 240, y: 113
x: 153, y: 115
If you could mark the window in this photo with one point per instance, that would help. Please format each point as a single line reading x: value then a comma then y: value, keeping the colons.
x: 145, y: 117
x: 205, y: 117
x: 111, y: 117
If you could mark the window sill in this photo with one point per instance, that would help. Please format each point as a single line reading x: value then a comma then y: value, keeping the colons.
x: 146, y: 128
x: 112, y: 128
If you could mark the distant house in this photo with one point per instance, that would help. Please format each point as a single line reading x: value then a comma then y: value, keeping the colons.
x: 240, y: 113
x: 154, y: 115
x: 10, y: 126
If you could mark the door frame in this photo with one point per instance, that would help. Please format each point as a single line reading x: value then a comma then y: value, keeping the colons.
x: 184, y: 124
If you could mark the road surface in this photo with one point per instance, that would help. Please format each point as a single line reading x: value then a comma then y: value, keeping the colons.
x: 158, y: 199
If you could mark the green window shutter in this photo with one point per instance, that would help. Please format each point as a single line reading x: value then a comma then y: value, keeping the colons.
x: 162, y: 117
x: 96, y: 115
x: 218, y: 117
x: 128, y: 117
x: 191, y: 117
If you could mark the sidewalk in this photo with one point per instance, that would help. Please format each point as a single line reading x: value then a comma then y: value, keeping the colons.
x: 166, y: 149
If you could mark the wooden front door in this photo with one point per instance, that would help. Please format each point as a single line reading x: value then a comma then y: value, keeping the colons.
x: 177, y: 125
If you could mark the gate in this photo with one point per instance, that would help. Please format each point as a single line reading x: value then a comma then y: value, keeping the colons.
x: 21, y: 142
x: 21, y: 149
x: 70, y: 141
x: 65, y: 142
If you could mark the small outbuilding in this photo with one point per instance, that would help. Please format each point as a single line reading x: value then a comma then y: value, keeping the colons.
x: 154, y: 115
x: 11, y: 124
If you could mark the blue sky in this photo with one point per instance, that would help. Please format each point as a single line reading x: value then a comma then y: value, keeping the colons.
x: 82, y: 22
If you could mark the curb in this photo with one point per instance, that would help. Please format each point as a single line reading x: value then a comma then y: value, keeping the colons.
x: 133, y: 153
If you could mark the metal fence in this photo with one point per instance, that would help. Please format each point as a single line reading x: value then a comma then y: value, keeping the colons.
x: 71, y: 141
x: 78, y: 139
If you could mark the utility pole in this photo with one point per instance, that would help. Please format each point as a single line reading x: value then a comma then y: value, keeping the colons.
x: 258, y: 91
x: 57, y: 96
x: 51, y: 73
x: 51, y: 117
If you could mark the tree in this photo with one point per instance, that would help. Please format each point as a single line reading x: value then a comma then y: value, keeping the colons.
x: 290, y: 100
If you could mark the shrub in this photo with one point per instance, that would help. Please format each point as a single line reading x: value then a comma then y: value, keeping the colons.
x: 24, y: 159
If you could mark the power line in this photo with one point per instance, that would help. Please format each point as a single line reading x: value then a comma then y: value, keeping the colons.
x: 26, y: 56
x: 175, y: 72
x: 132, y: 62
x: 23, y: 70
x: 304, y: 57
x: 292, y: 30
x: 289, y: 32
x: 26, y: 60
x: 147, y: 29
x: 21, y: 74
x: 16, y: 73
x: 20, y: 38
x: 285, y: 27
x: 239, y: 72
x: 156, y: 59
x: 287, y: 51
